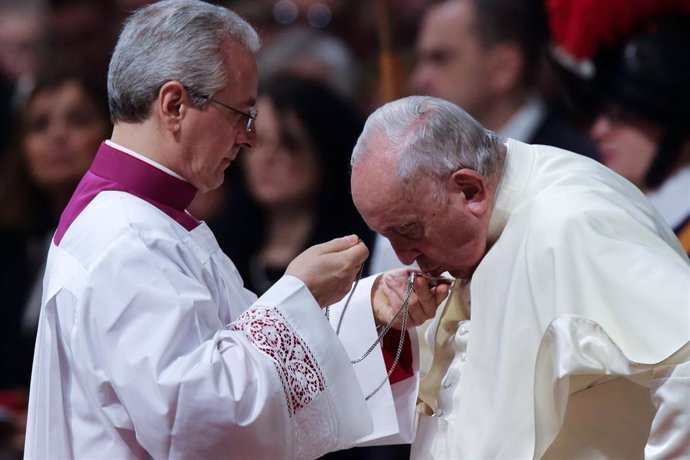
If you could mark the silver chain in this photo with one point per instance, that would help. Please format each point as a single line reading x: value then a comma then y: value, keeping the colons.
x: 404, y: 309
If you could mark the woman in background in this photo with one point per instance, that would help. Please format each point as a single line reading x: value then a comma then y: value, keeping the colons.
x: 643, y: 132
x: 634, y: 79
x: 60, y: 128
x: 293, y: 187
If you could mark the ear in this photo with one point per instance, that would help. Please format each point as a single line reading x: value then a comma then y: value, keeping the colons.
x: 505, y: 67
x: 472, y: 189
x: 172, y: 105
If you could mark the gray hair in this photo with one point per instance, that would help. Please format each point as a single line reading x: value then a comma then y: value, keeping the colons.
x: 433, y: 137
x: 172, y: 40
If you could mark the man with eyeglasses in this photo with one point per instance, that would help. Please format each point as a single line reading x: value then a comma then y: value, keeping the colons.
x: 250, y: 115
x: 148, y: 345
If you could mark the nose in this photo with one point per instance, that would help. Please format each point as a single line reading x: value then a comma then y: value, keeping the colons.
x: 57, y: 130
x: 600, y: 128
x: 247, y: 139
x: 406, y: 253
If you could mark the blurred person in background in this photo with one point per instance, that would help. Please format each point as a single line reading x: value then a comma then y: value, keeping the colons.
x: 63, y: 122
x: 83, y: 34
x: 342, y: 54
x: 309, y: 53
x: 643, y: 128
x: 21, y: 41
x: 486, y: 56
x: 316, y: 54
x: 294, y: 188
x: 643, y: 132
x: 12, y: 423
x: 21, y: 37
x: 630, y: 69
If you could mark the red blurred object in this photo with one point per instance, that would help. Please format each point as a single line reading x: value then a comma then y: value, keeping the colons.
x: 581, y: 27
x: 16, y: 401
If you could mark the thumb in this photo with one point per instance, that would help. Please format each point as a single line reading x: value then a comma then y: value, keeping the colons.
x: 337, y: 244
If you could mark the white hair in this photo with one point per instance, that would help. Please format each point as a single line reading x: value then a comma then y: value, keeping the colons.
x: 432, y: 137
x: 172, y: 40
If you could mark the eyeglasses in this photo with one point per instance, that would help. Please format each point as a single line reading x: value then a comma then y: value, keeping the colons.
x: 251, y: 116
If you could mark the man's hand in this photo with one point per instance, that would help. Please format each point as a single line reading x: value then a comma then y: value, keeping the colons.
x: 329, y: 269
x: 389, y: 291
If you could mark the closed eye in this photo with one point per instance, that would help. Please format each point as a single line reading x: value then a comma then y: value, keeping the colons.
x: 411, y: 230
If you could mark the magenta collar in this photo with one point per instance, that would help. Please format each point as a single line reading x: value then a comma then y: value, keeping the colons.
x: 114, y: 170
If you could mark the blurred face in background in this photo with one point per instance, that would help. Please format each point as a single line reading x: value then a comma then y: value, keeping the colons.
x: 83, y: 33
x: 627, y: 144
x: 20, y: 40
x: 451, y: 62
x: 63, y: 129
x: 283, y: 169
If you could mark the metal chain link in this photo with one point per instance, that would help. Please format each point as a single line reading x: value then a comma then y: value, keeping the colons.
x: 349, y: 297
x: 404, y: 309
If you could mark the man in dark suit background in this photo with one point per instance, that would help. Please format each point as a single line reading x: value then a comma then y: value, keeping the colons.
x: 486, y: 56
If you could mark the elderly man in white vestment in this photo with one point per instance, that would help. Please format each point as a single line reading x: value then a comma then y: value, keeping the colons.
x: 148, y: 345
x: 566, y: 333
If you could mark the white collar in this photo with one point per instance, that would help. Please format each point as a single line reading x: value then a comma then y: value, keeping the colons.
x: 523, y: 125
x: 512, y: 186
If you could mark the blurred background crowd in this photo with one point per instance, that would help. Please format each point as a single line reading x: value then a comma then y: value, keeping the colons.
x: 606, y: 79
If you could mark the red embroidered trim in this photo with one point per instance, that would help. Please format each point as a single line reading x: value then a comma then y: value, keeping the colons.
x: 299, y: 372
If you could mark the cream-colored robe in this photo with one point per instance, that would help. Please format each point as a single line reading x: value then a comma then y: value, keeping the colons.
x: 573, y: 342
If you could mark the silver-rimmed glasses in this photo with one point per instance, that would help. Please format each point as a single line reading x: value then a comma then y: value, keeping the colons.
x: 251, y: 115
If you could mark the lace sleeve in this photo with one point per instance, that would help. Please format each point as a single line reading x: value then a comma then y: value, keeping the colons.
x: 299, y: 372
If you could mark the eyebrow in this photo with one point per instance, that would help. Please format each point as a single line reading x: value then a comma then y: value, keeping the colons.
x: 397, y: 228
x: 388, y: 229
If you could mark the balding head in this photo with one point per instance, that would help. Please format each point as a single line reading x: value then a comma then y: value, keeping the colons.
x: 421, y: 167
x: 427, y: 136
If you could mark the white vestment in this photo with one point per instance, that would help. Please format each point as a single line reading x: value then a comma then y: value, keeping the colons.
x: 149, y: 347
x: 574, y: 340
